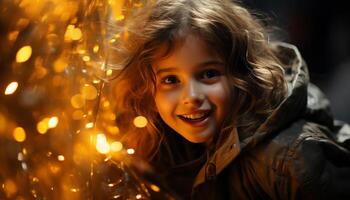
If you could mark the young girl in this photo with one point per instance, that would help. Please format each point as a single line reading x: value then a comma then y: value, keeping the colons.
x: 231, y: 114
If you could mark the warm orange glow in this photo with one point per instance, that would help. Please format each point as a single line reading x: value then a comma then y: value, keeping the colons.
x: 89, y: 125
x: 88, y: 92
x: 78, y: 115
x: 77, y: 101
x: 60, y: 65
x: 130, y: 151
x: 10, y: 188
x: 139, y: 196
x: 19, y: 134
x: 155, y: 188
x: 53, y: 121
x: 3, y: 123
x: 116, y: 146
x: 114, y: 130
x: 43, y: 126
x: 109, y: 72
x: 96, y: 48
x: 23, y: 54
x: 73, y: 33
x: 60, y: 157
x: 140, y: 121
x: 86, y: 58
x: 102, y: 145
x: 11, y: 88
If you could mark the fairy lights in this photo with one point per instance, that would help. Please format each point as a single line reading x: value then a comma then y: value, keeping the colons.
x: 19, y: 134
x: 11, y: 88
x: 24, y: 54
x: 140, y: 121
x: 102, y: 145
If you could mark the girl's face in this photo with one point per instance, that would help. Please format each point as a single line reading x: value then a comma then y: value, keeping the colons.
x: 192, y: 91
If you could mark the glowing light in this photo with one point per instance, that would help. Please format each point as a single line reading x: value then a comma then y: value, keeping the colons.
x: 13, y: 35
x: 139, y: 196
x: 155, y: 188
x: 60, y: 65
x: 140, y: 121
x: 106, y: 104
x: 89, y: 125
x: 19, y: 134
x: 77, y: 101
x: 23, y: 54
x: 42, y: 126
x: 102, y: 145
x: 53, y: 121
x: 60, y: 157
x: 120, y: 17
x: 86, y: 58
x: 77, y: 114
x: 20, y: 156
x: 114, y: 130
x: 10, y: 188
x: 73, y: 33
x: 116, y: 146
x: 74, y: 190
x: 109, y: 72
x: 88, y: 92
x: 96, y: 48
x: 130, y: 151
x: 11, y: 88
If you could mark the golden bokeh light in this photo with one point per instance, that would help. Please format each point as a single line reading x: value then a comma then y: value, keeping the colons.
x: 88, y: 92
x: 77, y: 101
x: 86, y: 58
x: 138, y: 196
x: 114, y: 130
x: 116, y: 146
x: 19, y: 134
x: 53, y: 121
x: 155, y: 188
x: 73, y: 33
x: 9, y: 187
x: 102, y: 145
x: 43, y: 126
x: 96, y: 48
x: 11, y: 88
x: 109, y: 72
x: 130, y: 151
x: 140, y: 121
x: 60, y: 158
x: 78, y: 115
x: 60, y: 65
x: 23, y: 54
x: 89, y: 125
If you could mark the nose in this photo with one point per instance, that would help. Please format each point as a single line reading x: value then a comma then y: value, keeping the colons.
x: 193, y: 94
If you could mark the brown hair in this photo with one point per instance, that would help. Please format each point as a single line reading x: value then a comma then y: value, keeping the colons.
x: 256, y: 76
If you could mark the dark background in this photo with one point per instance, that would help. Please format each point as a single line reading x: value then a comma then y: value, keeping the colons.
x: 321, y: 31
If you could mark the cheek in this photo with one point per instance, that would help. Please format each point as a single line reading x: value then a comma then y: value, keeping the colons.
x: 221, y: 97
x: 165, y: 102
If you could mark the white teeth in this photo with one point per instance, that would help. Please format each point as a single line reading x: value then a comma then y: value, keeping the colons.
x: 194, y: 116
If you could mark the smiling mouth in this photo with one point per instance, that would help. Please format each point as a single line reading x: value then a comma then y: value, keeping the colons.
x: 195, y: 117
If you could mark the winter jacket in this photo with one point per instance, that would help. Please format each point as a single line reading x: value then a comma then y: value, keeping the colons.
x: 303, y: 153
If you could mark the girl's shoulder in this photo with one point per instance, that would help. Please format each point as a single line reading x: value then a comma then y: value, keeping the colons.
x: 300, y: 160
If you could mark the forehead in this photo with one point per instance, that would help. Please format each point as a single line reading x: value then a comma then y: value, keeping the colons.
x: 188, y: 51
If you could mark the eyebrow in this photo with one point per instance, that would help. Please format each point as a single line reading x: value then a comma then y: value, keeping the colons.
x: 204, y: 64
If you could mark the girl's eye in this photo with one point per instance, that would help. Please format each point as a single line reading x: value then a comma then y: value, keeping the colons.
x: 170, y: 80
x: 211, y: 73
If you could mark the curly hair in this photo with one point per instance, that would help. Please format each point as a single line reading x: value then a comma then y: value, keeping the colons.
x: 255, y: 74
